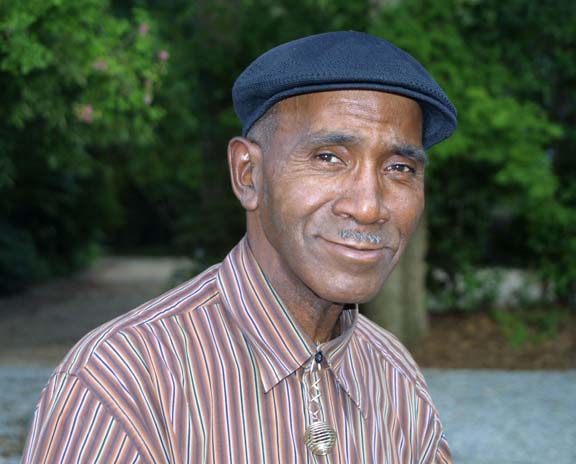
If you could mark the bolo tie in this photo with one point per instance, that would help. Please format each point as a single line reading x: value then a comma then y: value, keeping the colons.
x: 319, y: 436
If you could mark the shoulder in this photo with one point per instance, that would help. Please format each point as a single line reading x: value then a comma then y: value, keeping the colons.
x: 408, y: 393
x: 126, y: 335
x: 68, y: 422
x: 392, y: 352
x: 121, y: 372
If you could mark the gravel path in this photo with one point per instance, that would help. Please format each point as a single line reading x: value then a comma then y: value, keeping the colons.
x: 43, y: 323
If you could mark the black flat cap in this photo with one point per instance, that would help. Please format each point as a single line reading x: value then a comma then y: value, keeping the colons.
x: 336, y: 61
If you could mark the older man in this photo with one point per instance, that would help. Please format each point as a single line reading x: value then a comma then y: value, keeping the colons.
x: 264, y: 357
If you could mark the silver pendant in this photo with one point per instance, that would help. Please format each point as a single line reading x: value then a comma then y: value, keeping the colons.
x: 319, y: 438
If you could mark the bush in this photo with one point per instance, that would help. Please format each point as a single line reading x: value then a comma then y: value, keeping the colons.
x: 77, y: 87
x: 19, y: 262
x: 493, y: 197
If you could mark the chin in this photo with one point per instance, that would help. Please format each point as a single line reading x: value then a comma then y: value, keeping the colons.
x: 350, y: 295
x: 349, y: 288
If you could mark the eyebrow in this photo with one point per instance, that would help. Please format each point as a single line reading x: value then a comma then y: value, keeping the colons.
x: 407, y: 150
x: 330, y: 138
x: 413, y: 152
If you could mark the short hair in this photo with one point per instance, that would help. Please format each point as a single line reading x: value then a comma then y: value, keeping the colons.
x: 264, y: 129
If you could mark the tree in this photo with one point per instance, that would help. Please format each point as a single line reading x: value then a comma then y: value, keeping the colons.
x: 211, y: 43
x: 495, y: 171
x: 76, y: 85
x: 401, y: 304
x: 537, y: 44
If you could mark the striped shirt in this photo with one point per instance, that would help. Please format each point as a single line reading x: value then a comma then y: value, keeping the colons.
x: 213, y: 372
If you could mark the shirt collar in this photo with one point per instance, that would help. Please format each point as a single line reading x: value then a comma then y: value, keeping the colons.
x: 280, y: 346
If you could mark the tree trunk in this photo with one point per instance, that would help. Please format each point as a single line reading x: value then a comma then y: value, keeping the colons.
x: 400, y: 307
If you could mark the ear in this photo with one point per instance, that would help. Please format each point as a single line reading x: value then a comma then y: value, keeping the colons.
x: 245, y: 164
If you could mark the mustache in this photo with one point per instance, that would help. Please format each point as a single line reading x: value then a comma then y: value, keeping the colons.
x: 361, y: 237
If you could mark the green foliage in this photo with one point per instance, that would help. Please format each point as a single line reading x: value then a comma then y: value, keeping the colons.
x: 468, y: 290
x: 536, y: 42
x: 93, y: 149
x: 76, y: 85
x: 211, y: 43
x: 18, y: 260
x: 492, y: 189
x: 531, y: 327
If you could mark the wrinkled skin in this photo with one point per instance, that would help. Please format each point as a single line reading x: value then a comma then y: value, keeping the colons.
x: 332, y: 198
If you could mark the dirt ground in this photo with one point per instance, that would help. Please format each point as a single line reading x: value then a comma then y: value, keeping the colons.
x: 43, y: 323
x: 477, y: 341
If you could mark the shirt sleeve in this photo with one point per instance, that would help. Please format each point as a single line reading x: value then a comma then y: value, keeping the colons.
x: 71, y: 425
x: 431, y: 441
x: 443, y: 453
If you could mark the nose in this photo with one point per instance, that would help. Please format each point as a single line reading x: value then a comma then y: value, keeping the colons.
x: 362, y: 198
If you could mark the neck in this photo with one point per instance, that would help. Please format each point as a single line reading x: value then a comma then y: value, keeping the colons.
x: 319, y: 323
x: 317, y: 317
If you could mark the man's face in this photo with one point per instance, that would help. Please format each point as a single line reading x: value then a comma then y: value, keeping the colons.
x: 342, y: 191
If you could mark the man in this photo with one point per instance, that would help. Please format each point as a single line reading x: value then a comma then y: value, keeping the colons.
x: 264, y: 358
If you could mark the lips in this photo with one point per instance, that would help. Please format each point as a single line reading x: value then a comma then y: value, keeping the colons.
x: 358, y: 252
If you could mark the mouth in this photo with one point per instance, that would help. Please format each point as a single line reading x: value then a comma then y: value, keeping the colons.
x: 359, y: 252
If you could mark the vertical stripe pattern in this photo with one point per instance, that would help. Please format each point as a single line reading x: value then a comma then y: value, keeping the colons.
x: 212, y: 372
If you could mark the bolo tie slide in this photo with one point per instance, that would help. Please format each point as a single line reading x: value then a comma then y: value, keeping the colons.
x: 319, y: 436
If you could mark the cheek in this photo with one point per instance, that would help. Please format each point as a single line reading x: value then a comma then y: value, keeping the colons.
x: 294, y: 202
x: 279, y: 211
x: 407, y: 209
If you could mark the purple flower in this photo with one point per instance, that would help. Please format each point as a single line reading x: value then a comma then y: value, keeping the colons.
x: 163, y: 55
x: 86, y: 113
x: 100, y: 65
x: 143, y: 29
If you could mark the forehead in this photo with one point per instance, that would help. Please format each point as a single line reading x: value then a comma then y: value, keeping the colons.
x: 351, y: 110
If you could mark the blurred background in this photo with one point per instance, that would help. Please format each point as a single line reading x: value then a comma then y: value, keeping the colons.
x: 115, y: 121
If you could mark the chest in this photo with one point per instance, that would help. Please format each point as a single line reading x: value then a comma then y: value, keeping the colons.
x: 220, y: 413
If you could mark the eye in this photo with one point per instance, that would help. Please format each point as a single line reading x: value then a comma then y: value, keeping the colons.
x: 330, y: 158
x: 401, y: 167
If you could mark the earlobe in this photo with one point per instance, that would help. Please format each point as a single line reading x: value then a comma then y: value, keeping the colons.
x: 244, y: 163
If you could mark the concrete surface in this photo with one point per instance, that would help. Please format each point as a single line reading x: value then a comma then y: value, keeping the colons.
x: 491, y: 417
x: 20, y: 387
x: 498, y: 417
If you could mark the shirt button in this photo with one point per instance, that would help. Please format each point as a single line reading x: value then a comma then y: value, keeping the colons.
x: 319, y: 357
